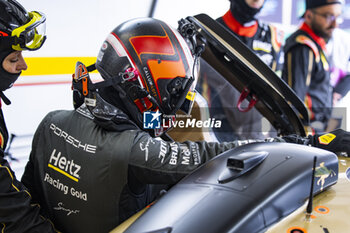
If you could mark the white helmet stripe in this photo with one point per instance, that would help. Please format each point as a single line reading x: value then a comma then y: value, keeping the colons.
x: 119, y: 49
x: 116, y: 45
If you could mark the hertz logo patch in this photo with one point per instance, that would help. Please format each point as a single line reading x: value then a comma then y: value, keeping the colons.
x: 326, y: 139
x: 64, y: 166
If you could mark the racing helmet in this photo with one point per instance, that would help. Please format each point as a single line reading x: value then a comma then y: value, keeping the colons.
x: 19, y: 29
x: 152, y: 67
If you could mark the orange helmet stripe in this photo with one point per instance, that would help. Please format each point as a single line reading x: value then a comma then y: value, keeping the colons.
x: 1, y: 141
x: 152, y: 45
x: 166, y: 69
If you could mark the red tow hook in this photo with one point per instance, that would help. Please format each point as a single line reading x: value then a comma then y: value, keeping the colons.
x: 242, y: 97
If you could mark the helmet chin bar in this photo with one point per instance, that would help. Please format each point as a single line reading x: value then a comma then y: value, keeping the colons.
x: 135, y: 98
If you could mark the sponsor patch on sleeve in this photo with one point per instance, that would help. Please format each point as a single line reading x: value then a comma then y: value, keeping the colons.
x: 326, y: 138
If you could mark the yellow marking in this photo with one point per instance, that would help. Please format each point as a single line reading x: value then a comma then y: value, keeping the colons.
x: 274, y: 66
x: 262, y: 49
x: 46, y: 219
x: 326, y: 138
x: 309, y: 69
x: 190, y: 95
x: 289, y: 59
x: 205, y: 88
x: 27, y: 193
x: 62, y: 172
x: 324, y: 62
x: 8, y: 170
x: 2, y: 140
x: 54, y: 65
x: 275, y: 40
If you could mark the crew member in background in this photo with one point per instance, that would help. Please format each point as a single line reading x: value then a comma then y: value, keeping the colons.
x: 19, y: 30
x: 265, y: 41
x: 306, y: 68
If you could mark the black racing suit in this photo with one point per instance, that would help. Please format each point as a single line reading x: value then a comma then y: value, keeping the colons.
x: 17, y: 214
x: 265, y: 41
x: 88, y: 175
x: 306, y: 70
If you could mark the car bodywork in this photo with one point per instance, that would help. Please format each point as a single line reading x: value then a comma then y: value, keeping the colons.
x: 259, y: 187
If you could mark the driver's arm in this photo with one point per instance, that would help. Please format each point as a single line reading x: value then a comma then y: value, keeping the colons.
x: 157, y: 161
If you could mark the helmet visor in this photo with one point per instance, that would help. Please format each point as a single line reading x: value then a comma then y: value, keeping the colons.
x: 30, y: 36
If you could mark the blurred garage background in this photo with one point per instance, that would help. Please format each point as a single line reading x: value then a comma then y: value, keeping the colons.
x: 75, y: 31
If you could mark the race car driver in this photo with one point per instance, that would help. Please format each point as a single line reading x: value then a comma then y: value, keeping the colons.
x: 93, y: 167
x: 265, y: 41
x: 18, y: 32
